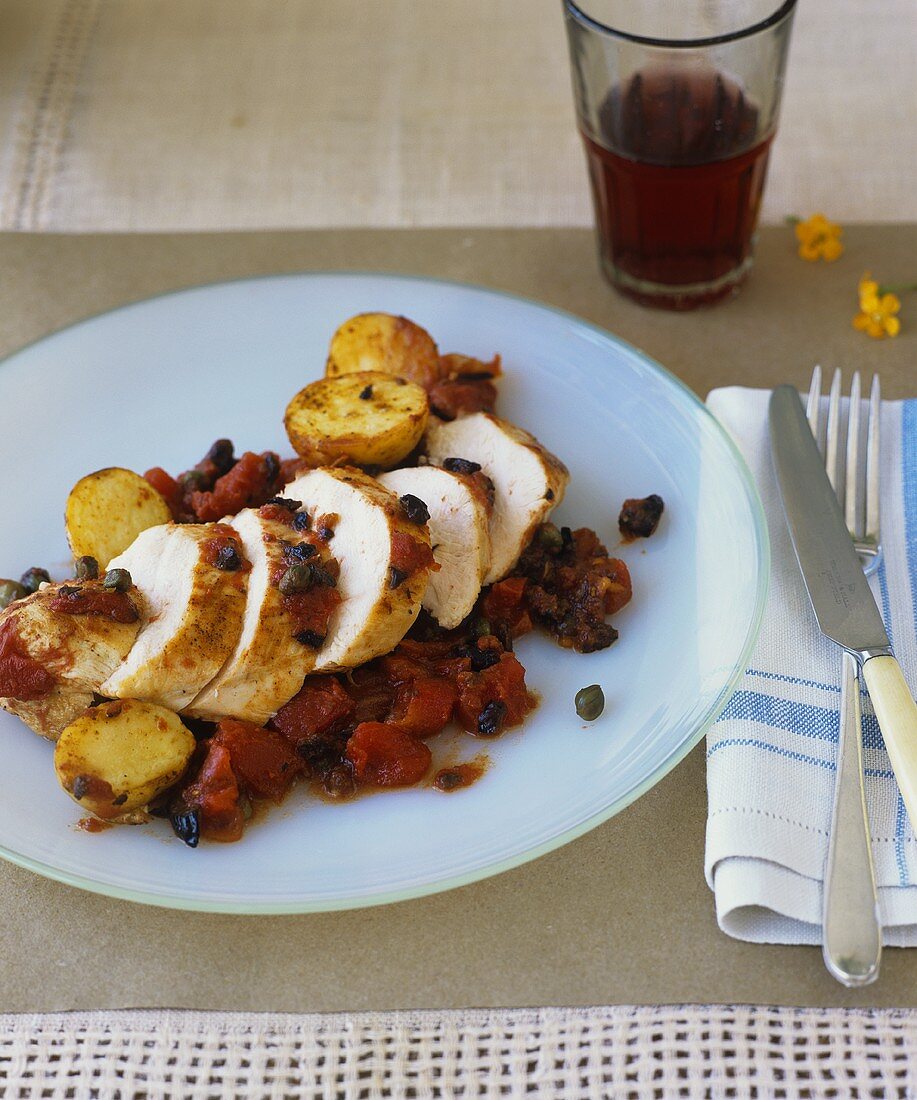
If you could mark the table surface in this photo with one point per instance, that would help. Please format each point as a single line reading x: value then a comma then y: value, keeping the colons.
x: 582, y: 925
x: 222, y: 114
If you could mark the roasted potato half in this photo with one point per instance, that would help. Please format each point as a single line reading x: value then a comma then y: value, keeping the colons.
x: 383, y: 342
x: 107, y: 510
x: 118, y: 756
x: 364, y: 419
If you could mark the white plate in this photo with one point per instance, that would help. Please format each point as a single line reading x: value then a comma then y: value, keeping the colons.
x: 155, y: 383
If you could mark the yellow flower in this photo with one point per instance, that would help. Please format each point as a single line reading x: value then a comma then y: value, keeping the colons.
x: 877, y: 310
x: 819, y: 239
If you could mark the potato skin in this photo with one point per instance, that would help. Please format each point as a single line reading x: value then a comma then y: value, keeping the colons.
x: 108, y: 509
x: 386, y: 343
x: 366, y: 419
x: 115, y: 758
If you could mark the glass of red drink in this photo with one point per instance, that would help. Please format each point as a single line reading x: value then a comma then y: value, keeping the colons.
x: 677, y: 103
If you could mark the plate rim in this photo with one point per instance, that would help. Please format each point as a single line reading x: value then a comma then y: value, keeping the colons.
x: 495, y: 867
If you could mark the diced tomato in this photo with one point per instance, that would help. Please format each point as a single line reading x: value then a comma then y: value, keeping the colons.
x: 311, y: 610
x: 453, y: 398
x: 264, y: 763
x: 465, y: 367
x: 215, y: 795
x: 385, y: 755
x: 168, y: 487
x: 400, y: 669
x: 250, y: 482
x: 410, y: 554
x: 291, y: 468
x: 424, y: 706
x: 320, y: 706
x: 619, y: 589
x: 505, y: 603
x: 503, y: 682
x: 88, y: 599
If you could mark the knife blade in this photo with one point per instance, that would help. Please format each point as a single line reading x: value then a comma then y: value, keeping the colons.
x: 838, y: 590
x: 841, y: 598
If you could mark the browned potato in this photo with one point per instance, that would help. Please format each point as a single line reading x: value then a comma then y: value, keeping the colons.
x: 383, y: 342
x: 118, y: 756
x: 366, y: 419
x: 107, y: 510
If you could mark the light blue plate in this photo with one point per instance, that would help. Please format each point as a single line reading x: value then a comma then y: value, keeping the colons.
x: 155, y: 383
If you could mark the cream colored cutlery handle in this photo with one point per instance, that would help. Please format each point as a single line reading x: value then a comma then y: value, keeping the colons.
x: 896, y: 712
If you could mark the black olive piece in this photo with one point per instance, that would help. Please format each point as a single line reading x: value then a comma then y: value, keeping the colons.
x: 120, y: 800
x: 326, y: 533
x: 80, y: 786
x: 321, y: 576
x: 271, y: 465
x: 87, y: 568
x: 640, y: 518
x: 297, y: 578
x: 448, y: 781
x: 187, y: 826
x: 301, y: 521
x: 567, y: 536
x: 396, y: 576
x: 32, y: 578
x: 228, y: 558
x: 590, y: 702
x: 483, y: 658
x: 504, y: 636
x: 311, y: 638
x: 285, y: 502
x: 549, y: 495
x: 474, y: 376
x: 491, y: 718
x: 118, y: 579
x: 366, y: 393
x: 442, y: 414
x: 221, y: 455
x: 69, y: 590
x: 415, y: 511
x: 302, y: 551
x: 461, y: 466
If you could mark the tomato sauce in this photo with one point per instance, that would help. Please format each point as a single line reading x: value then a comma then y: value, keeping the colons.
x: 21, y: 676
x: 94, y: 599
x: 460, y: 775
x: 409, y: 555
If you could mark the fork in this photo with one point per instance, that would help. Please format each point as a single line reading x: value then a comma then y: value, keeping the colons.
x: 851, y: 928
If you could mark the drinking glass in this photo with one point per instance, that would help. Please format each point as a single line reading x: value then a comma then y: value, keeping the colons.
x: 677, y: 104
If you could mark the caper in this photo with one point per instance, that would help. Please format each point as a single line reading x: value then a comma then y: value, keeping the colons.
x: 590, y: 702
x: 9, y: 591
x: 87, y: 568
x: 482, y: 628
x: 118, y: 579
x: 32, y: 579
x: 296, y: 579
x: 550, y: 537
x: 193, y: 480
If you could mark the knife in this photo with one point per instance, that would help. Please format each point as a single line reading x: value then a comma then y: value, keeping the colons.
x: 841, y: 598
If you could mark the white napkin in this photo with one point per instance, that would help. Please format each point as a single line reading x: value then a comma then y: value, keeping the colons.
x: 771, y: 755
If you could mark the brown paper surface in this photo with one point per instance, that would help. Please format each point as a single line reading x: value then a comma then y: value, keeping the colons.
x: 621, y: 915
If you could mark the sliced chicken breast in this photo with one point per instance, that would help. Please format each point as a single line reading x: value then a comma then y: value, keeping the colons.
x: 384, y: 561
x: 459, y: 535
x: 77, y: 652
x: 195, y: 608
x: 269, y: 663
x: 528, y: 480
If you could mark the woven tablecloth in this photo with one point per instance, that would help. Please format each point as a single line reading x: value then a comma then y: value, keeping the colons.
x: 563, y: 1054
x: 221, y: 114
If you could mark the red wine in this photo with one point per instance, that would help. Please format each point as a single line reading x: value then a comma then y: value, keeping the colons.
x: 677, y: 177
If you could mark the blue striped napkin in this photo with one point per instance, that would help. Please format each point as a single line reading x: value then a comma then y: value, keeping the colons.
x: 771, y: 755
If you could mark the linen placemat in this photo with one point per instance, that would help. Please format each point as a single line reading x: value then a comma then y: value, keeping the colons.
x: 771, y: 757
x: 685, y: 1051
x: 587, y: 924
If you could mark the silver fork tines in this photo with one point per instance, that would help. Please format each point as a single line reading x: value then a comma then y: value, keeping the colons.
x: 851, y: 467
